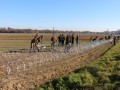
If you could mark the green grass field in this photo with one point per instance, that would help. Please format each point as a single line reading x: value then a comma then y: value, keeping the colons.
x: 102, y: 74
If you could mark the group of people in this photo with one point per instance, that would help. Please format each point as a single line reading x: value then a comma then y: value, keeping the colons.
x: 35, y: 42
x: 102, y: 38
x: 61, y: 40
x: 71, y: 39
x: 68, y: 41
x: 108, y: 37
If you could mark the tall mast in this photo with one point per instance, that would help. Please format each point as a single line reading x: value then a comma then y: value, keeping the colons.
x: 53, y: 31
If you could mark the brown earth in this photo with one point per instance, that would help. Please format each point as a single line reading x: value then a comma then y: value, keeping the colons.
x: 46, y: 36
x: 29, y: 79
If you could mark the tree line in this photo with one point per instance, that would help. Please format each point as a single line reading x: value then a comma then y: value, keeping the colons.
x: 13, y: 30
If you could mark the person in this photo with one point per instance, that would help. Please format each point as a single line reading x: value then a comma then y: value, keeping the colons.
x: 109, y: 37
x: 72, y: 39
x: 91, y: 38
x: 36, y: 36
x: 52, y: 42
x: 114, y: 41
x: 94, y: 39
x: 77, y: 40
x: 34, y: 43
x: 59, y: 40
x: 67, y: 44
x: 62, y: 39
x: 38, y: 39
x: 105, y: 37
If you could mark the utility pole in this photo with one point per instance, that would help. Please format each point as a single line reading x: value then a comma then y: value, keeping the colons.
x: 53, y: 32
x: 79, y: 38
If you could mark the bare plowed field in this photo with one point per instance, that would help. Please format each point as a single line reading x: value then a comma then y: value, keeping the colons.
x: 23, y: 71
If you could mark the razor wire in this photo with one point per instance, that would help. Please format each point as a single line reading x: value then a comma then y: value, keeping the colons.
x: 14, y: 63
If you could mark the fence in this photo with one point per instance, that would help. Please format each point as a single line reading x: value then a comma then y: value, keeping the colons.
x: 14, y: 63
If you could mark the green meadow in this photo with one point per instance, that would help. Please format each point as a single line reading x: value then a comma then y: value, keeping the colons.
x: 102, y: 74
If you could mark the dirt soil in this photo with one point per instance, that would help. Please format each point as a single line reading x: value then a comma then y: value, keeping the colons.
x: 38, y: 74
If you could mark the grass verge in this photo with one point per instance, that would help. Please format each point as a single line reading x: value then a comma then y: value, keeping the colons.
x: 102, y: 74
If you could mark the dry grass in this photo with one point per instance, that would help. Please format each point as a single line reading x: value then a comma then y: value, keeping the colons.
x: 10, y: 41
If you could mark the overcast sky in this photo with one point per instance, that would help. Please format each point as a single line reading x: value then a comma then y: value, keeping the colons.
x: 93, y: 15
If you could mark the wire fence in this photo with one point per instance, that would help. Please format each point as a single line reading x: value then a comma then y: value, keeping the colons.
x: 14, y: 63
